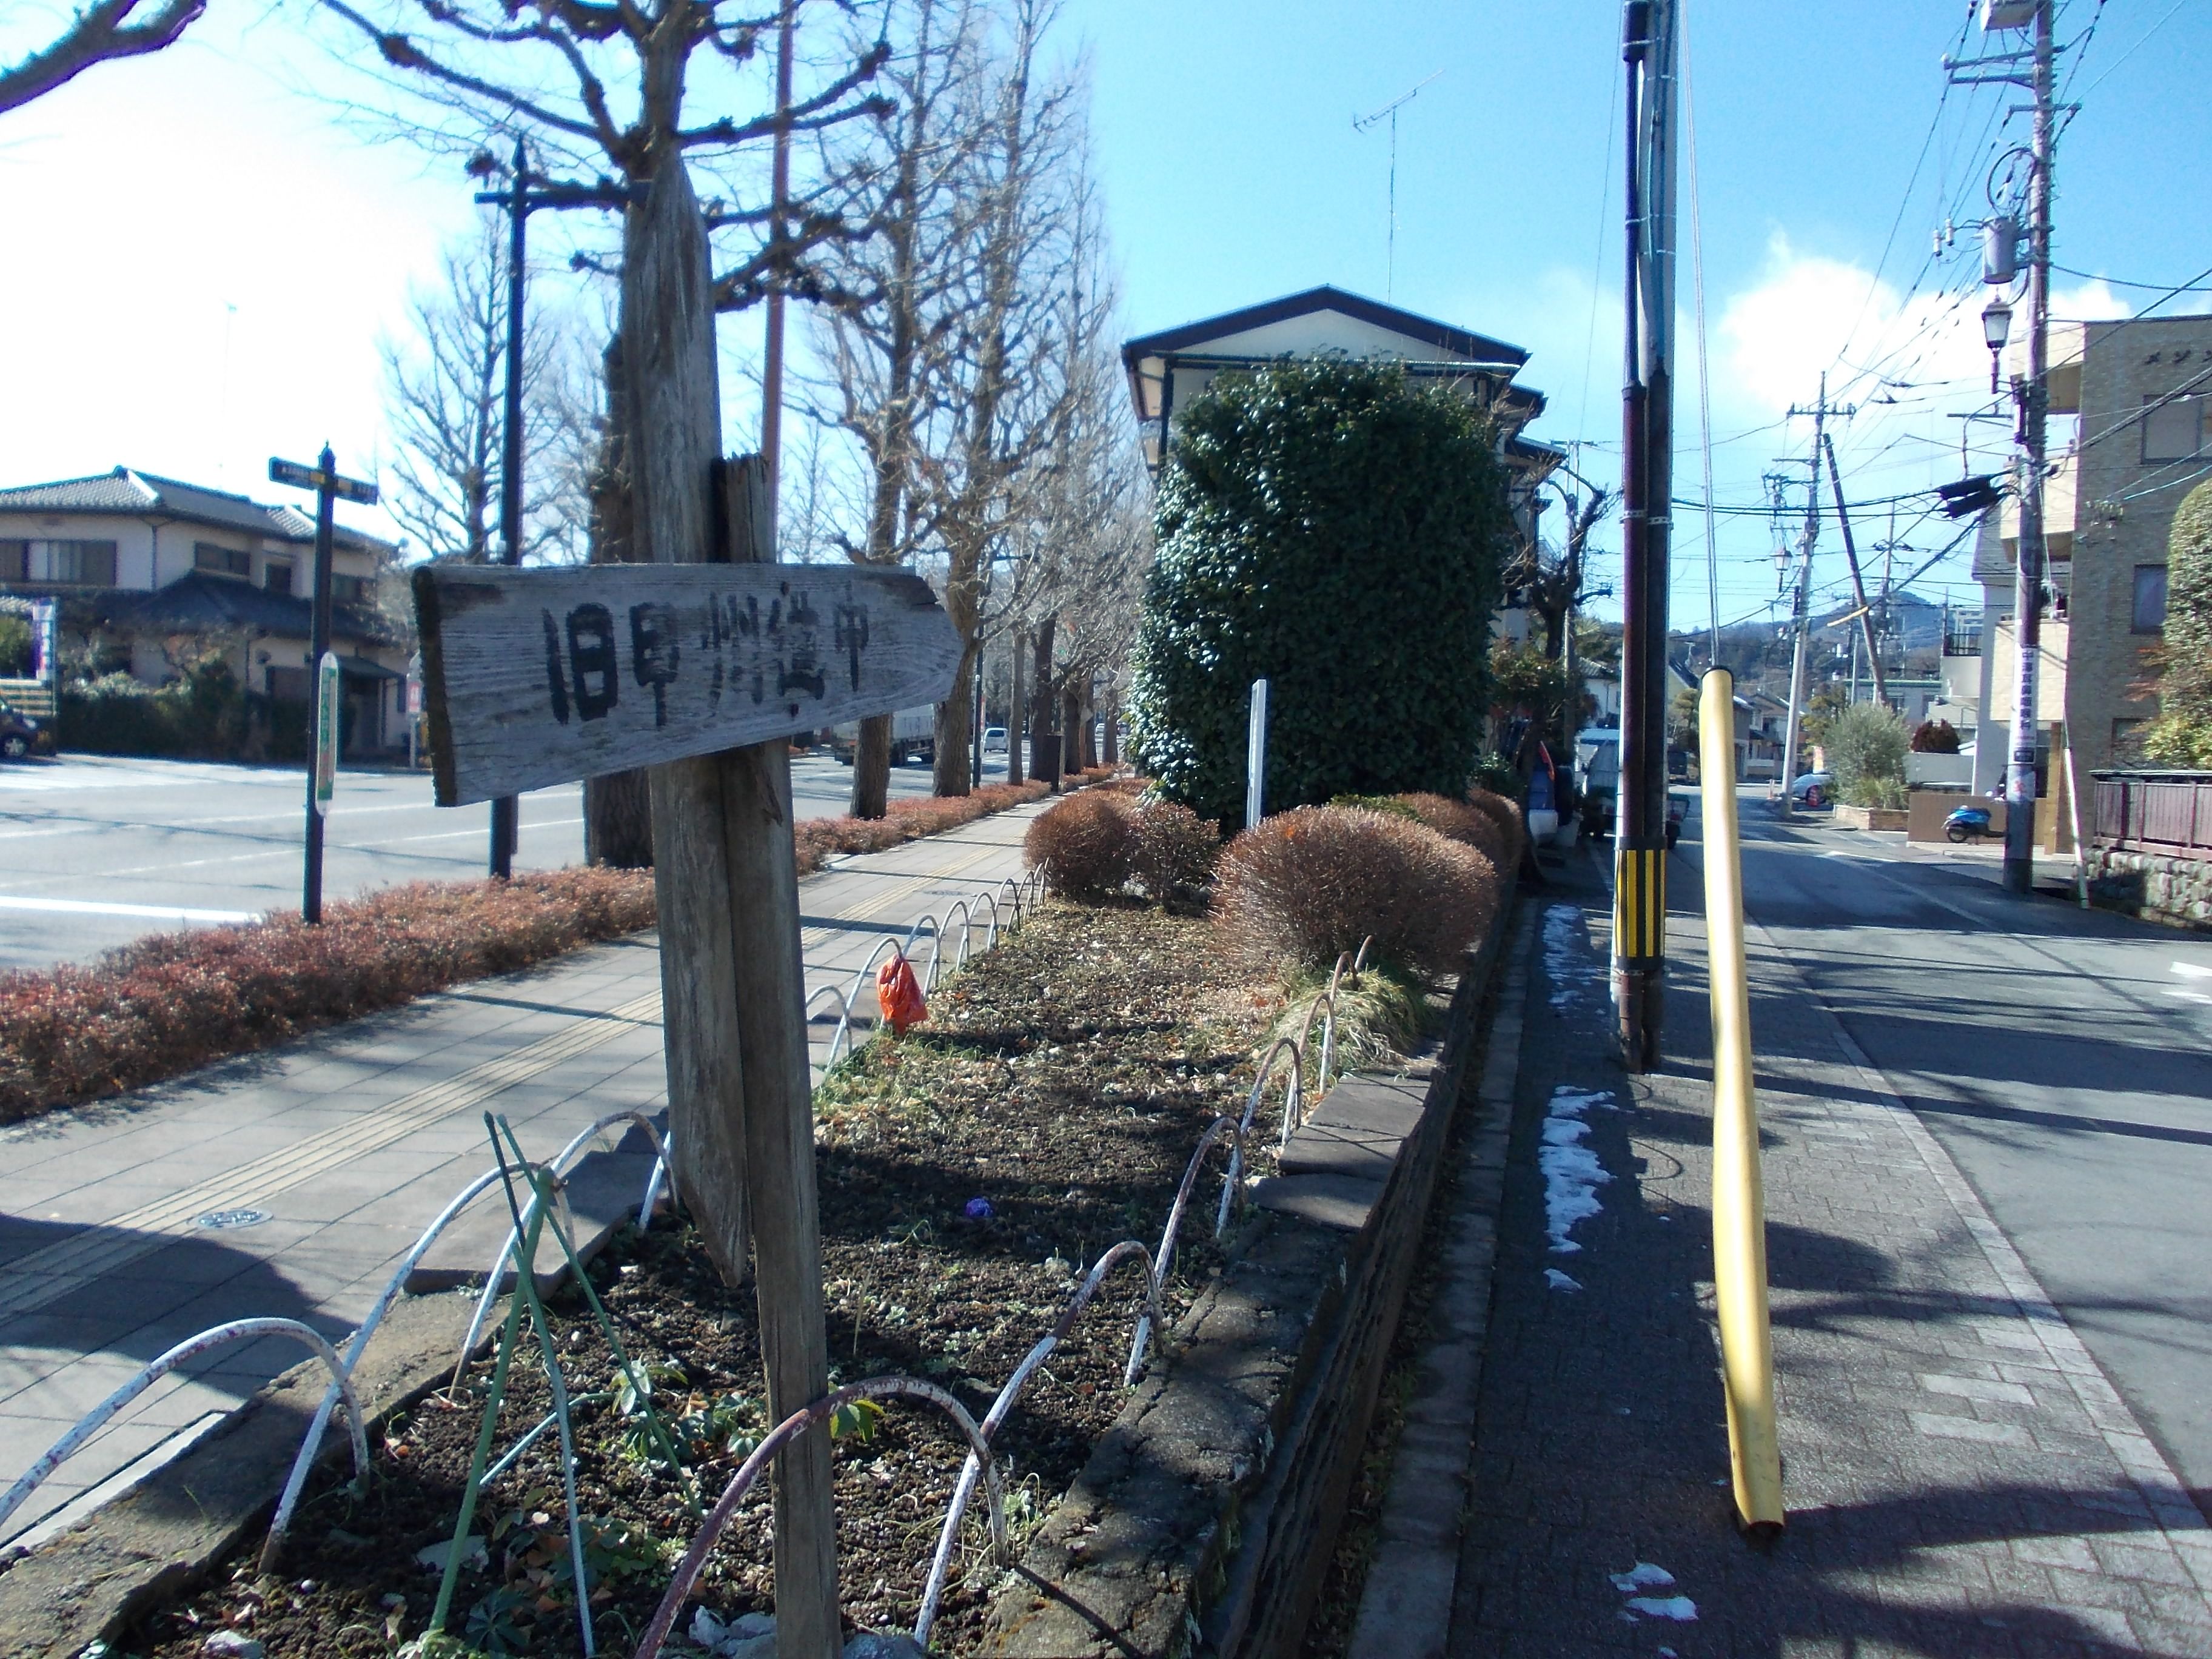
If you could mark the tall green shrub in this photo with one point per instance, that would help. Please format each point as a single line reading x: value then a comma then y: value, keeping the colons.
x: 1328, y: 525
x: 1866, y: 745
x: 2182, y: 734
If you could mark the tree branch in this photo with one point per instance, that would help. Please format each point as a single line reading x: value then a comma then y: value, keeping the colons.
x: 100, y: 32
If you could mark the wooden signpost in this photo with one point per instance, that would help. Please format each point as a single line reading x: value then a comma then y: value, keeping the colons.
x: 698, y: 664
x: 538, y: 677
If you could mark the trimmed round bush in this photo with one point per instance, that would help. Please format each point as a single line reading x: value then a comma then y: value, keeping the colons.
x: 1083, y: 845
x: 1174, y: 849
x: 1308, y: 884
x: 1460, y: 820
x: 1505, y: 812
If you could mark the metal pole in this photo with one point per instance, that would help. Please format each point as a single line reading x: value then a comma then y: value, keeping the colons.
x: 1649, y: 49
x: 779, y: 195
x: 311, y: 898
x: 1256, y: 757
x: 2027, y: 562
x: 1803, y: 610
x: 506, y: 812
x: 1866, y: 634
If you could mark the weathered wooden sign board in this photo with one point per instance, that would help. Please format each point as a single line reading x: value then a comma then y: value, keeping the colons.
x: 538, y: 677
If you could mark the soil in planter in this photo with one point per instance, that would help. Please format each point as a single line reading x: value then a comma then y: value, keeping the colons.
x: 970, y: 1172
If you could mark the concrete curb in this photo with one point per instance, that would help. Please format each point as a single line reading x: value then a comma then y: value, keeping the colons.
x: 1405, y: 1608
x: 1205, y: 1513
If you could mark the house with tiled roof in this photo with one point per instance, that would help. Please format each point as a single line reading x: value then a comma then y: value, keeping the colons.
x: 151, y: 573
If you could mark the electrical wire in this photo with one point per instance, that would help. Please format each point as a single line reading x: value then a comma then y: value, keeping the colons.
x: 2195, y: 285
x: 2131, y: 51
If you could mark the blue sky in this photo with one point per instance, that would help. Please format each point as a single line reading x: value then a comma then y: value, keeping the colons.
x: 205, y: 255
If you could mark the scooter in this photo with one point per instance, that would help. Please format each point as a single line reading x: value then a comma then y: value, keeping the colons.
x: 1967, y: 823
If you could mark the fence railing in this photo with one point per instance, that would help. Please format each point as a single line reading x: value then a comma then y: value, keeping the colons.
x: 2168, y: 812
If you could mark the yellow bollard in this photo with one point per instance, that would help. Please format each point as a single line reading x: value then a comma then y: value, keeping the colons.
x: 1739, y: 1205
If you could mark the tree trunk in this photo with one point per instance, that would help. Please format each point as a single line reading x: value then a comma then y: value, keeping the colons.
x: 872, y: 767
x: 1016, y: 725
x: 1113, y: 755
x: 618, y: 807
x: 951, y: 772
x: 1071, y: 736
x: 1042, y: 725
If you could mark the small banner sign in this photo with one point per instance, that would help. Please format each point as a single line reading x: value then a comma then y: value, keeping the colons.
x: 302, y: 476
x: 538, y: 677
x: 327, y: 688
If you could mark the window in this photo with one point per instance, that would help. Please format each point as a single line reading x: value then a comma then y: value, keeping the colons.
x: 288, y: 685
x: 2172, y: 428
x: 277, y: 575
x: 222, y: 560
x: 350, y: 590
x: 82, y: 564
x: 2150, y: 598
x: 14, y: 560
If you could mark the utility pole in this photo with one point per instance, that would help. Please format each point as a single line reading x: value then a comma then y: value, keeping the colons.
x: 1649, y: 49
x: 1858, y: 585
x: 2031, y: 395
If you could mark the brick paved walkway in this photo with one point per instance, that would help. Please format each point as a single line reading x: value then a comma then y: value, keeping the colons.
x: 349, y: 1141
x: 1961, y: 1478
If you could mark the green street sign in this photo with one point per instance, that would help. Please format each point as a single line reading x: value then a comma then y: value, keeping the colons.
x: 326, y: 732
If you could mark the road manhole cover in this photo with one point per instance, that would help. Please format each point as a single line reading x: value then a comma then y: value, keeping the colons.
x: 223, y: 1221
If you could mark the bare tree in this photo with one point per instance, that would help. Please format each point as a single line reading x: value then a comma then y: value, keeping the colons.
x: 98, y: 34
x: 445, y: 402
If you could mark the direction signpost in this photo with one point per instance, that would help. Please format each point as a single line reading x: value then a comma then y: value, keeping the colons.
x: 698, y: 663
x: 324, y: 479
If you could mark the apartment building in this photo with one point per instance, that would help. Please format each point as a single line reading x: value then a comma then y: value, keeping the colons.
x: 2131, y: 431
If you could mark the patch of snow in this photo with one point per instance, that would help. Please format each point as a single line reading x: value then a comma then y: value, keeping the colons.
x: 1572, y: 1175
x: 1642, y: 1576
x: 1566, y: 965
x: 1560, y: 1281
x: 1680, y: 1608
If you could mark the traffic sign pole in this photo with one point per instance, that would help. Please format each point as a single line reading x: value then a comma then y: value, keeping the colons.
x: 323, y: 727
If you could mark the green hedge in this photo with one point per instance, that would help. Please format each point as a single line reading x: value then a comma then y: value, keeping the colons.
x: 205, y: 715
x: 1329, y: 526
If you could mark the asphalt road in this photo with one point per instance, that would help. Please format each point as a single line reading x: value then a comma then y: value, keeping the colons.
x: 95, y: 852
x: 2063, y: 1059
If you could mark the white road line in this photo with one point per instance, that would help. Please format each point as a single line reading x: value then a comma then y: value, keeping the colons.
x: 2192, y: 971
x: 96, y: 908
x: 290, y: 852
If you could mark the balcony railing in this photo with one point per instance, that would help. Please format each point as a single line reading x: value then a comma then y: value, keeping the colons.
x: 1963, y: 641
x: 2167, y: 813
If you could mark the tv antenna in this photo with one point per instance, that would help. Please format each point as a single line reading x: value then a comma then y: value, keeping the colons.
x: 1365, y: 122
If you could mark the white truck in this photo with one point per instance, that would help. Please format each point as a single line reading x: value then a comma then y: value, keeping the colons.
x: 913, y: 736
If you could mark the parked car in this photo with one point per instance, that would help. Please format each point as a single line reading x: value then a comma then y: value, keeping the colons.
x: 995, y: 739
x: 1814, y: 789
x: 20, y: 734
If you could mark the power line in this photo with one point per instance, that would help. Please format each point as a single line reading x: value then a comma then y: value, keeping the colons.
x: 2194, y: 285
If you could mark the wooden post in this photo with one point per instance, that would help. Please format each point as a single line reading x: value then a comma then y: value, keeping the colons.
x: 771, y: 994
x: 673, y: 426
x: 730, y: 973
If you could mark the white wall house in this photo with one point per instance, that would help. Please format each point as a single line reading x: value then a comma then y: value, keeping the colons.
x: 152, y: 573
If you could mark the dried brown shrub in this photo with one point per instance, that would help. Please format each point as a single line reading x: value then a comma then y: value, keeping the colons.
x: 820, y: 839
x: 172, y: 1001
x: 1463, y: 822
x: 1307, y: 884
x: 1174, y: 849
x: 1507, y: 813
x: 1083, y: 845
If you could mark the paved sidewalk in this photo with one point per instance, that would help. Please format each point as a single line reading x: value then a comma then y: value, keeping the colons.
x: 1961, y: 1478
x: 349, y: 1142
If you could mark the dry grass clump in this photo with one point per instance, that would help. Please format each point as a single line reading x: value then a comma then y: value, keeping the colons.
x: 1463, y: 822
x: 1083, y: 845
x: 1307, y: 884
x: 1172, y: 848
x: 1507, y: 813
x: 172, y: 1001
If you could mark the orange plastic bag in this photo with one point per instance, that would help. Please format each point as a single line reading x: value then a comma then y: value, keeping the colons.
x: 899, y: 994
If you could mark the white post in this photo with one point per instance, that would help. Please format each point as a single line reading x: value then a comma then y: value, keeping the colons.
x: 1256, y: 757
